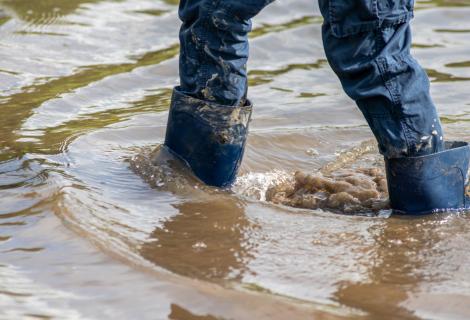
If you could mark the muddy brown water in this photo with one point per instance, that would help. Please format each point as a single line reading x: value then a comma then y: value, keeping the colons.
x: 85, y: 89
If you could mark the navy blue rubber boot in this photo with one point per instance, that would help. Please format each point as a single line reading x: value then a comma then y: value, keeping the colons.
x: 432, y: 183
x: 208, y: 136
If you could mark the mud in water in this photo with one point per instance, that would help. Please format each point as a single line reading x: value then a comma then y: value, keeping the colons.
x: 354, y: 183
x: 353, y: 191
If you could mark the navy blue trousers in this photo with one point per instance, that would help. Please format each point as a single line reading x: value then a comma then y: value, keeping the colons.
x: 367, y: 44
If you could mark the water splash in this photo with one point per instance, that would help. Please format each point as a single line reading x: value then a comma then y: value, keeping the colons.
x: 255, y: 185
x: 164, y: 171
x: 354, y: 183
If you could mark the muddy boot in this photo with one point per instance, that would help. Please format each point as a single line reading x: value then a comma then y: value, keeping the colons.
x: 437, y: 182
x: 208, y: 136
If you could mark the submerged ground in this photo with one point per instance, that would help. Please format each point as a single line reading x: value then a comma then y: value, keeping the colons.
x: 85, y: 86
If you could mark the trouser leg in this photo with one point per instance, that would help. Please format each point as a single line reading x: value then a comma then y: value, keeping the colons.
x: 367, y: 43
x: 214, y: 48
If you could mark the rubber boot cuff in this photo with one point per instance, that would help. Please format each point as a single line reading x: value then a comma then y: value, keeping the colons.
x: 208, y: 136
x: 433, y: 183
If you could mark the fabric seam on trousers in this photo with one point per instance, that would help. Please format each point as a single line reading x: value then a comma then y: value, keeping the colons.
x: 392, y: 85
x: 205, y: 72
x: 340, y: 29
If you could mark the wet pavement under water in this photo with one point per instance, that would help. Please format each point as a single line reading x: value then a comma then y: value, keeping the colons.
x: 85, y: 234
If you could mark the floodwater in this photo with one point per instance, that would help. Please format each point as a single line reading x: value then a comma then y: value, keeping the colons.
x: 85, y: 88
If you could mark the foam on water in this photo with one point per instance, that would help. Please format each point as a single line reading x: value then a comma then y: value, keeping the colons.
x: 255, y: 185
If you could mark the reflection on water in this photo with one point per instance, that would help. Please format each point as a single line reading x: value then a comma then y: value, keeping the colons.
x: 43, y: 11
x: 394, y: 275
x: 259, y: 77
x: 178, y: 313
x: 85, y: 87
x: 443, y: 3
x: 206, y: 240
x: 406, y: 251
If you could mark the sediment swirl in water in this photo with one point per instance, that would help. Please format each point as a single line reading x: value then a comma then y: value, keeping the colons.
x: 348, y: 191
x: 354, y: 183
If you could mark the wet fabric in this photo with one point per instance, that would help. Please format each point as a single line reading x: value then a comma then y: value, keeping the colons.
x: 367, y: 43
x: 214, y: 48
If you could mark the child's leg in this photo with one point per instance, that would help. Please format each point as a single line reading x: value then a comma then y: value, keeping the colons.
x: 367, y: 43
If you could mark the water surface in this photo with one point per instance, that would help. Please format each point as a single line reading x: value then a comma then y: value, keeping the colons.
x: 85, y: 88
